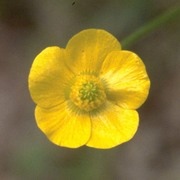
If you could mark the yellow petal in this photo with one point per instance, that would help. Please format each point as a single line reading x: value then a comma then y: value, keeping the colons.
x: 112, y: 127
x: 126, y: 79
x: 64, y: 127
x: 88, y: 49
x: 48, y: 76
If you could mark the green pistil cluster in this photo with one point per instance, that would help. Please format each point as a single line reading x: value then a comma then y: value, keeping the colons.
x: 89, y: 91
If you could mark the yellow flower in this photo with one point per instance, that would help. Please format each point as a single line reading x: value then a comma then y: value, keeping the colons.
x: 87, y: 93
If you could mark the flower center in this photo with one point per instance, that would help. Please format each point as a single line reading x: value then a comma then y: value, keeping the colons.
x: 87, y: 93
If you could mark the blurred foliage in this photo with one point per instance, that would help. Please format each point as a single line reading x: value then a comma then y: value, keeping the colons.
x: 16, y: 13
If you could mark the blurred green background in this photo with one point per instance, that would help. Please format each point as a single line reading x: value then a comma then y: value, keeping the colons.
x: 26, y: 28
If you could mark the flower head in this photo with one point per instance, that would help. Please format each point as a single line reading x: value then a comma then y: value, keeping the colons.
x: 88, y: 93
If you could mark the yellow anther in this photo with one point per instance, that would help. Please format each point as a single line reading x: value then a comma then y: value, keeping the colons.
x: 87, y: 93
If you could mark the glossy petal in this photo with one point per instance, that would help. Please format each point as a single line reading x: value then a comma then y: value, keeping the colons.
x: 88, y: 49
x: 48, y: 76
x: 112, y: 127
x: 126, y: 79
x: 63, y: 127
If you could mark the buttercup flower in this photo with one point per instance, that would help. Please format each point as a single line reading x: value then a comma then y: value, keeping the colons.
x: 88, y: 93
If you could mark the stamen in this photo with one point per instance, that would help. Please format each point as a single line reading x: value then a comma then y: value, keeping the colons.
x: 87, y: 93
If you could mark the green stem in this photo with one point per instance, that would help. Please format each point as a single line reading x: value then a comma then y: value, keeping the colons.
x: 150, y: 27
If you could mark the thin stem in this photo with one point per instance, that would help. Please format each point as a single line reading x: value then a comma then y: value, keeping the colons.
x: 150, y: 27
